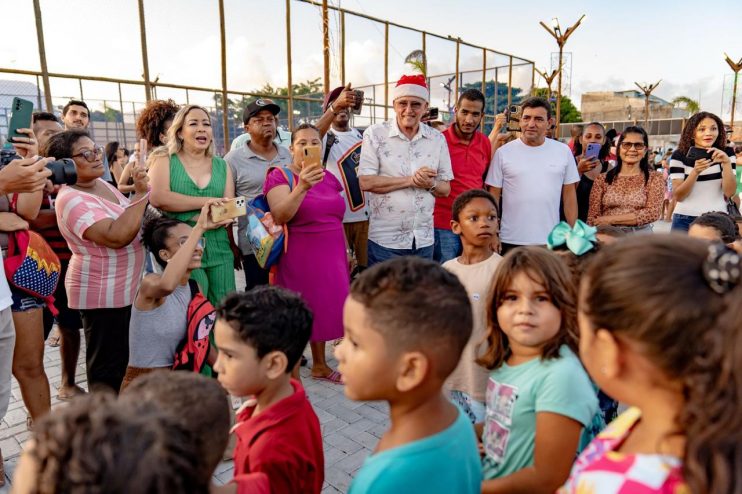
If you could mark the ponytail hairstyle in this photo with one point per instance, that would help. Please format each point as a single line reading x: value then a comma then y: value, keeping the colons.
x: 643, y: 164
x: 680, y: 303
x: 155, y: 234
x: 543, y: 267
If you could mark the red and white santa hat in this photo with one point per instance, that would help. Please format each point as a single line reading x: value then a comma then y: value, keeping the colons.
x: 411, y: 85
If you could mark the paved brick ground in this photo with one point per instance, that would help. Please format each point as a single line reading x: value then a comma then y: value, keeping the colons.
x: 350, y: 430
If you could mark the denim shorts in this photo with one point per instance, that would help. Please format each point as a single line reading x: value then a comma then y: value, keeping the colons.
x: 23, y: 301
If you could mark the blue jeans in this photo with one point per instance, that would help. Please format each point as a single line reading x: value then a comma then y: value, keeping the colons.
x: 447, y: 245
x: 377, y: 253
x: 681, y: 222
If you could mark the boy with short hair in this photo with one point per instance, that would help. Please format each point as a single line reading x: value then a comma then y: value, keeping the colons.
x: 198, y: 404
x: 406, y: 323
x: 474, y: 220
x: 261, y: 335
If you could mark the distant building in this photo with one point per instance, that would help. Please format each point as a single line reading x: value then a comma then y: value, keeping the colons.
x: 610, y: 106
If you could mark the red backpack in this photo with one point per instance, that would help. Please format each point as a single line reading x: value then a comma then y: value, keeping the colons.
x: 193, y: 350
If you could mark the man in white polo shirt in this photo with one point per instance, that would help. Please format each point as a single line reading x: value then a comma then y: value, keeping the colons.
x: 405, y: 165
x: 530, y: 176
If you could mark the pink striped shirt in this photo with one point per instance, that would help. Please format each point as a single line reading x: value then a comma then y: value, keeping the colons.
x: 98, y: 277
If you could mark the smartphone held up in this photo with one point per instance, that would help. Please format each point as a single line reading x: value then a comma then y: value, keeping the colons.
x: 228, y: 210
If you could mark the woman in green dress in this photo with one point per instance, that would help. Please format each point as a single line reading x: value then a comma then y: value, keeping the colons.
x: 183, y: 180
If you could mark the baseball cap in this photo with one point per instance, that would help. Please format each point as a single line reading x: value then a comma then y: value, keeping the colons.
x: 259, y: 105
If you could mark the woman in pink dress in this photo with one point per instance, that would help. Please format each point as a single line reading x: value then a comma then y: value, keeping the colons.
x: 315, y: 264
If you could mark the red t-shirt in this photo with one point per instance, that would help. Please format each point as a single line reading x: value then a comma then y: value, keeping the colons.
x: 469, y: 162
x: 283, y: 445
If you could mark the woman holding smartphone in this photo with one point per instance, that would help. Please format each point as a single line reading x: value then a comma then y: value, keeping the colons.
x: 702, y: 170
x: 315, y: 264
x: 591, y: 162
x: 629, y: 196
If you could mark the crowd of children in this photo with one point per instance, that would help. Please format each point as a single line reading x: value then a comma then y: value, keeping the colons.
x: 499, y: 372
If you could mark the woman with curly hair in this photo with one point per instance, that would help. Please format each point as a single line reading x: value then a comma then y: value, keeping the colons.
x: 702, y: 185
x: 98, y: 444
x: 152, y: 126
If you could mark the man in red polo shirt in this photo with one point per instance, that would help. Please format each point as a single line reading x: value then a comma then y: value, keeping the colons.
x: 470, y: 156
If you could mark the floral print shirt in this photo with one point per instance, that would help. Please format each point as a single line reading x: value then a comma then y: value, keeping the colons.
x: 404, y: 216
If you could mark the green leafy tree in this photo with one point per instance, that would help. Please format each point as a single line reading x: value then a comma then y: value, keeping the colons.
x: 569, y: 112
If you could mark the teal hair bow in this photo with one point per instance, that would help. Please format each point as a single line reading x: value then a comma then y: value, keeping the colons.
x: 579, y: 239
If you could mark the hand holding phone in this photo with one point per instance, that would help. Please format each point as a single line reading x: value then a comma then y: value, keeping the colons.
x: 228, y: 209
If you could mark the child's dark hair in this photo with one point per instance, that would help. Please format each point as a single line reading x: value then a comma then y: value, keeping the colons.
x: 269, y: 318
x: 97, y: 444
x: 155, y: 233
x: 176, y: 393
x: 673, y: 301
x: 467, y: 197
x: 543, y: 267
x: 577, y: 265
x: 721, y: 222
x: 416, y: 304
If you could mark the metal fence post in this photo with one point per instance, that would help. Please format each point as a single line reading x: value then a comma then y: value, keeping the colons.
x: 386, y: 71
x: 484, y: 74
x: 510, y: 81
x: 145, y: 58
x: 225, y: 98
x: 325, y: 47
x: 342, y: 47
x: 123, y: 123
x: 42, y: 57
x: 288, y: 64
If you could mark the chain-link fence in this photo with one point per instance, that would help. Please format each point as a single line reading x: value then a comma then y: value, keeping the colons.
x: 280, y: 50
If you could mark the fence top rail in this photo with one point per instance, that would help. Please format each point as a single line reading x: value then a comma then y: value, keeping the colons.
x: 409, y: 28
x: 159, y: 84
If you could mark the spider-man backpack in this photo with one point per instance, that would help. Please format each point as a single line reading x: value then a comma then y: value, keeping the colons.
x: 193, y: 350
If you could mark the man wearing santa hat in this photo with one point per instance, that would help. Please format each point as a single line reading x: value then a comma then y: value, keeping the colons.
x: 404, y: 166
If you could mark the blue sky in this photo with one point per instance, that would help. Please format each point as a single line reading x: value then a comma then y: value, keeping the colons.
x: 680, y: 41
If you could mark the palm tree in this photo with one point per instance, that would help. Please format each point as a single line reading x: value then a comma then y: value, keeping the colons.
x: 416, y: 60
x: 690, y: 105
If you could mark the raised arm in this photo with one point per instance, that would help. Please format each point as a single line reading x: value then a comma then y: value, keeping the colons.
x: 155, y: 287
x: 284, y: 203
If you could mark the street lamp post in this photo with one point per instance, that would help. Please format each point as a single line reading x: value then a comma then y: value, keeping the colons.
x: 561, y: 39
x: 447, y: 87
x: 736, y: 67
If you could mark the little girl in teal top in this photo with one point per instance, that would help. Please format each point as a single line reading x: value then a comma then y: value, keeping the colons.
x: 539, y: 397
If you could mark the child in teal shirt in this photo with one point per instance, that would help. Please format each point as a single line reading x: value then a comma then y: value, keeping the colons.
x: 539, y: 398
x: 406, y: 323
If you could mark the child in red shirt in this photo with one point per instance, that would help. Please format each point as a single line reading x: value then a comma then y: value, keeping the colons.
x: 261, y: 335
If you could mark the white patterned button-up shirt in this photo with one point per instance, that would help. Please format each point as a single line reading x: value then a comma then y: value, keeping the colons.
x: 399, y: 217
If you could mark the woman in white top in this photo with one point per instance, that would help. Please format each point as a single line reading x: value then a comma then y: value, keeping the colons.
x: 701, y: 185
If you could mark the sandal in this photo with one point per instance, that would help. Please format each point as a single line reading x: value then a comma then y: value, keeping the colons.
x: 70, y: 393
x: 334, y: 377
x: 54, y: 337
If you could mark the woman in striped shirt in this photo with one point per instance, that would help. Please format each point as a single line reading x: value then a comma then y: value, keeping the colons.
x: 702, y: 185
x: 101, y: 227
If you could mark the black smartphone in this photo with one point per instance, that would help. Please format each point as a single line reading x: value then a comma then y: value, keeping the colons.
x: 696, y: 153
x: 356, y: 108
